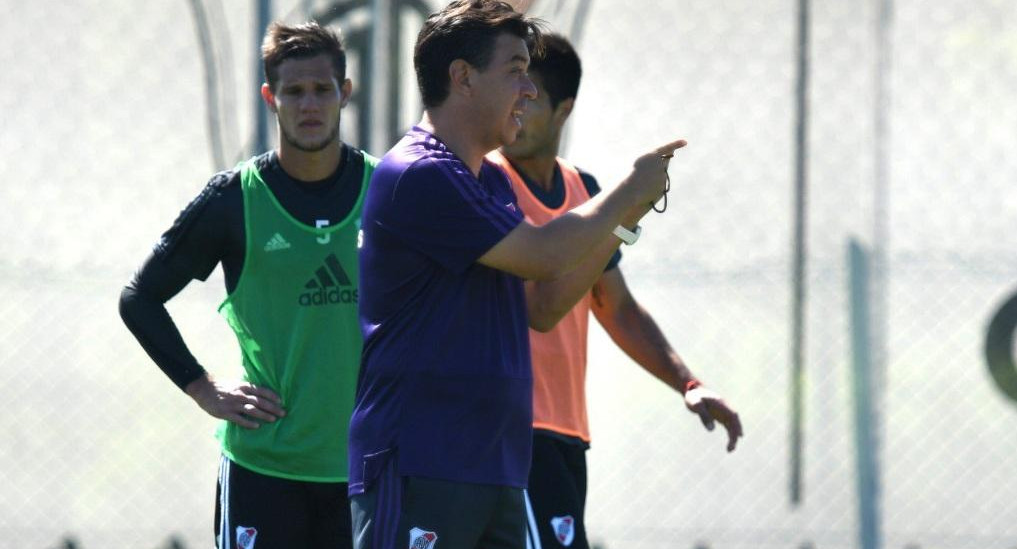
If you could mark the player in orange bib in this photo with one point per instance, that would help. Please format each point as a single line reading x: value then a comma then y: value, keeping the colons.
x: 546, y: 187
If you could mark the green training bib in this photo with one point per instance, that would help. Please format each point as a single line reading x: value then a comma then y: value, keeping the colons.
x: 294, y: 312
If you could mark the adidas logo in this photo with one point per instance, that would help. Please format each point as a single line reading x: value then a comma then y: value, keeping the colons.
x: 330, y: 285
x: 276, y: 243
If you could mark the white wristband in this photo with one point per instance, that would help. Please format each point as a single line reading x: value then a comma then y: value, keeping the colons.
x: 627, y: 236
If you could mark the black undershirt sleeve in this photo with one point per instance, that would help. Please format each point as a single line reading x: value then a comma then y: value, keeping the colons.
x: 211, y: 231
x: 143, y: 310
x: 189, y: 250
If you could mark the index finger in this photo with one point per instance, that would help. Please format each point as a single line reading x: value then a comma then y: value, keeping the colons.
x: 671, y: 147
x: 734, y: 431
x: 262, y: 392
x: 242, y: 421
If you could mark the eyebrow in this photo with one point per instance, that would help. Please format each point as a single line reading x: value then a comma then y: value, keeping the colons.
x: 312, y: 81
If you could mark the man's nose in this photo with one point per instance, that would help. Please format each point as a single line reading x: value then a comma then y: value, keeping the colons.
x: 309, y: 102
x: 529, y: 88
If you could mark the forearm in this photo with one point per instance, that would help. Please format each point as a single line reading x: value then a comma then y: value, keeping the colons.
x: 552, y: 250
x: 566, y: 242
x: 547, y: 301
x: 638, y: 335
x: 580, y: 241
x: 189, y: 250
x: 152, y: 326
x: 601, y: 215
x: 626, y: 204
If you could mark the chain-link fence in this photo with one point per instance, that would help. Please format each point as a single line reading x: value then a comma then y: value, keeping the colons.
x: 113, y: 113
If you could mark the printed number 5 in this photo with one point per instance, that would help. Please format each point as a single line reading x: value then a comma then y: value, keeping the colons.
x: 325, y: 238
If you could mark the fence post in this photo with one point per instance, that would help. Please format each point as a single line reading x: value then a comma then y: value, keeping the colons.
x: 865, y: 416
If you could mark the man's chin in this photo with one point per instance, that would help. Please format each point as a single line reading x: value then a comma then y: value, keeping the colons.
x: 510, y: 138
x: 518, y: 147
x: 306, y: 145
x: 311, y: 145
x: 509, y: 150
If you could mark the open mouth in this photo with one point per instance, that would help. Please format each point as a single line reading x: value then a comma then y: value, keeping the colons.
x: 517, y: 115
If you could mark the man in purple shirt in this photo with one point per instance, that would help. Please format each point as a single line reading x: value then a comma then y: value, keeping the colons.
x: 441, y: 431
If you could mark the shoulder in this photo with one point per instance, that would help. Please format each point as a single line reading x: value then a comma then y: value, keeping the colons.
x: 363, y: 158
x: 492, y: 171
x: 590, y: 182
x: 427, y: 169
x: 425, y: 178
x: 419, y: 166
x: 224, y: 181
x: 220, y: 191
x: 358, y: 159
x: 218, y: 201
x: 401, y: 183
x: 264, y: 163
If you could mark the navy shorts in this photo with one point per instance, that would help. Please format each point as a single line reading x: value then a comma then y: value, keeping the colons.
x: 397, y: 512
x: 556, y: 496
x: 253, y: 510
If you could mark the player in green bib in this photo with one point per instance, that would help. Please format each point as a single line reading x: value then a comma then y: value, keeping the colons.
x: 284, y: 225
x: 294, y: 310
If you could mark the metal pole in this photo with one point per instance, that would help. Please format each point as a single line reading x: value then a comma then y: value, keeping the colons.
x: 881, y: 204
x: 394, y: 78
x: 865, y: 413
x: 880, y: 276
x: 379, y: 71
x: 262, y: 19
x: 799, y: 257
x: 211, y: 84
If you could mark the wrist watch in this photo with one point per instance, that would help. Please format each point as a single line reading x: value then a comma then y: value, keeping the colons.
x: 627, y: 236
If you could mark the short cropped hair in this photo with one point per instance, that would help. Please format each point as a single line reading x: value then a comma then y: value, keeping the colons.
x: 467, y: 30
x: 301, y: 41
x: 559, y: 69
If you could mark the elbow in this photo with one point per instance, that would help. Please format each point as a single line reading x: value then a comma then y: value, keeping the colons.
x: 544, y: 321
x: 127, y: 296
x: 130, y: 304
x: 541, y: 325
x: 542, y: 272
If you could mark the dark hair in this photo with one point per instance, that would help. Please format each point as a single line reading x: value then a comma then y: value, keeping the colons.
x: 559, y: 69
x: 309, y: 39
x: 467, y: 30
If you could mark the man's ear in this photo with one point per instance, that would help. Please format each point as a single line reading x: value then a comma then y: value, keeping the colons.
x: 345, y: 91
x: 460, y: 75
x: 564, y: 110
x: 268, y: 97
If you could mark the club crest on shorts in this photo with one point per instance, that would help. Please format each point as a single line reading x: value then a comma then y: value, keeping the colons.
x: 564, y: 529
x: 245, y: 537
x: 422, y: 539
